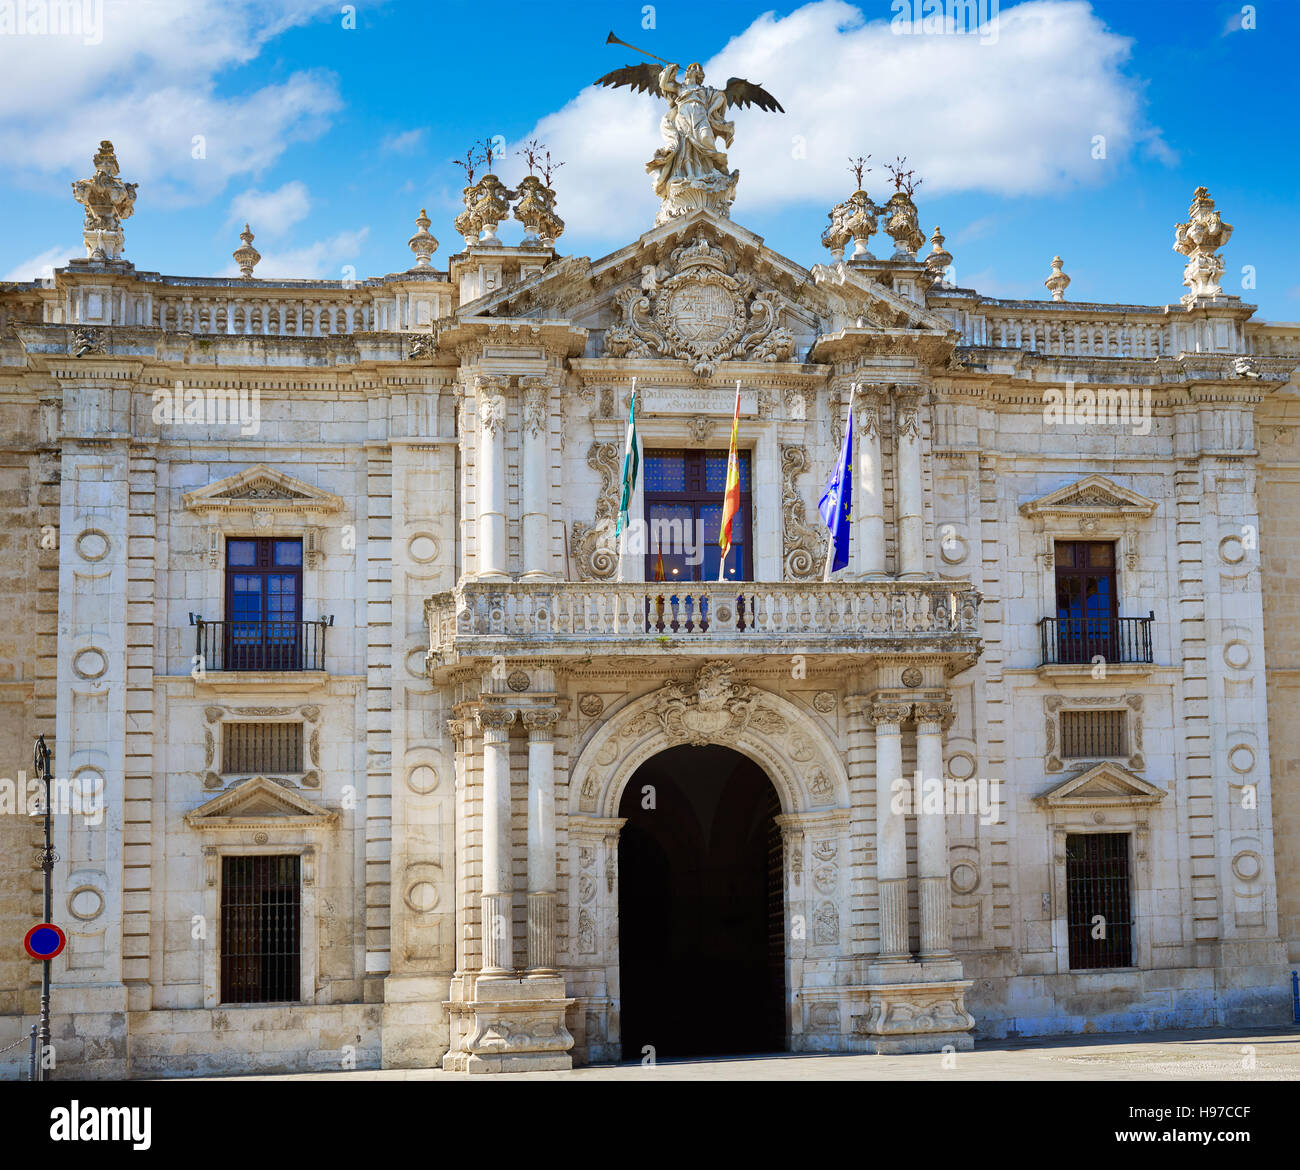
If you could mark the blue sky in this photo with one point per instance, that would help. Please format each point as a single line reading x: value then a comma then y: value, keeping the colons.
x: 330, y: 138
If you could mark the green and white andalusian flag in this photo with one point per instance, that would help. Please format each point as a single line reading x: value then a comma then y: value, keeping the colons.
x: 631, y: 465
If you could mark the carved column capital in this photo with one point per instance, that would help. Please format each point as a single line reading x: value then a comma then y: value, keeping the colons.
x: 890, y: 714
x: 491, y: 391
x: 540, y: 722
x: 907, y: 407
x: 461, y: 730
x: 536, y: 391
x: 866, y: 406
x: 933, y: 717
x: 497, y: 719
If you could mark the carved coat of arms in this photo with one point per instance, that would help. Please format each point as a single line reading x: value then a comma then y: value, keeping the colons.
x: 713, y: 707
x: 698, y: 309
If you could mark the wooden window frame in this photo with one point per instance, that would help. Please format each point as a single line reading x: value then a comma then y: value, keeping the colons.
x: 694, y: 495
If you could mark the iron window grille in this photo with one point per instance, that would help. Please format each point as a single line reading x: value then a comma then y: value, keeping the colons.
x: 265, y: 748
x: 261, y: 929
x: 1091, y: 735
x: 1099, y: 900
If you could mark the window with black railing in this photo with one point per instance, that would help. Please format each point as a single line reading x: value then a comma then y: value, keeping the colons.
x: 1087, y: 626
x: 263, y: 626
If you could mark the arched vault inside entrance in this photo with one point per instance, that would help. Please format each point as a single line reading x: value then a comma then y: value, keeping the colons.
x: 701, y: 914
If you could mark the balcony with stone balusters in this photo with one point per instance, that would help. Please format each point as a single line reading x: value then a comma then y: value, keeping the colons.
x: 577, y: 620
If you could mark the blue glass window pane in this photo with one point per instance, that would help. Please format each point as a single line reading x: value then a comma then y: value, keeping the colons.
x: 715, y: 471
x: 241, y: 552
x: 665, y: 473
x: 288, y: 552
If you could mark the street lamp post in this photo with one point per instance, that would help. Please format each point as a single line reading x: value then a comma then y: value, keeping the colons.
x: 41, y: 758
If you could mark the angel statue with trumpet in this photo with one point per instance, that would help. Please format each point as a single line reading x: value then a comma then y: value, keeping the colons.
x: 689, y: 170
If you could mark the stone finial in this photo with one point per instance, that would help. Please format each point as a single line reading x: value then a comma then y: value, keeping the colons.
x: 1199, y: 239
x: 939, y: 259
x: 536, y: 211
x: 902, y: 226
x: 108, y: 201
x: 246, y: 256
x: 486, y: 205
x: 422, y: 243
x: 836, y: 235
x: 1058, y: 282
x: 854, y: 219
x: 860, y: 222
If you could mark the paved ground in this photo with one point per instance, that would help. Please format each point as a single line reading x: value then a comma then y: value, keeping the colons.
x: 1210, y: 1055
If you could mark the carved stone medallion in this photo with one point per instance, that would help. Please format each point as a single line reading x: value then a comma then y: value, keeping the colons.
x: 698, y: 309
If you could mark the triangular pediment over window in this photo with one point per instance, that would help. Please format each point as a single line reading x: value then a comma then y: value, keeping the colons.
x: 1094, y: 495
x: 1103, y: 786
x: 260, y: 803
x: 262, y: 489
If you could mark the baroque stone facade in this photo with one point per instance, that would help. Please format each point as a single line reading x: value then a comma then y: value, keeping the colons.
x: 494, y: 669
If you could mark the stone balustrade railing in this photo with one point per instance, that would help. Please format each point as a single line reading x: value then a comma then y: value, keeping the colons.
x: 266, y: 314
x: 253, y: 309
x: 760, y: 617
x: 1275, y: 341
x: 1064, y: 331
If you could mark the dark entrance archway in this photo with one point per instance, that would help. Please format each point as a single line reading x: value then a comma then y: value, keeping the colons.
x: 701, y: 907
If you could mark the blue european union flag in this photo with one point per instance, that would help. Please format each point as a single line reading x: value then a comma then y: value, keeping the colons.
x: 837, y: 503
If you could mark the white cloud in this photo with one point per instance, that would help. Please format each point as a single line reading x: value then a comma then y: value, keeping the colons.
x: 43, y: 264
x: 322, y: 260
x: 271, y: 213
x: 1011, y: 116
x: 403, y: 143
x: 151, y: 87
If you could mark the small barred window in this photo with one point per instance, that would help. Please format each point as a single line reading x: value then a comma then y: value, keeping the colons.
x: 1091, y: 735
x: 262, y: 748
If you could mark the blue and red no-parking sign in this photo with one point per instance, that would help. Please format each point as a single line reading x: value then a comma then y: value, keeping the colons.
x: 45, y: 941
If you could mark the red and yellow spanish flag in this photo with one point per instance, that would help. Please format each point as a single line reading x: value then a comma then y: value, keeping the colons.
x: 659, y: 564
x: 731, y: 495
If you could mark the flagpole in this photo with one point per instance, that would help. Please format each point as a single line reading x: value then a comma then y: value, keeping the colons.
x: 830, y: 541
x: 731, y: 454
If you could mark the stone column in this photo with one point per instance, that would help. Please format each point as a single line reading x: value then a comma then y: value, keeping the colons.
x: 498, y: 943
x: 492, y: 477
x: 541, y: 840
x: 536, y: 494
x: 891, y: 832
x: 932, y: 832
x: 907, y: 431
x: 868, y: 547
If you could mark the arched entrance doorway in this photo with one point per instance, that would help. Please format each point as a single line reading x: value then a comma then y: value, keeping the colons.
x: 701, y: 911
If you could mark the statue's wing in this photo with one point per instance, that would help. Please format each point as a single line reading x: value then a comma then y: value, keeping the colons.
x: 635, y: 77
x: 745, y: 93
